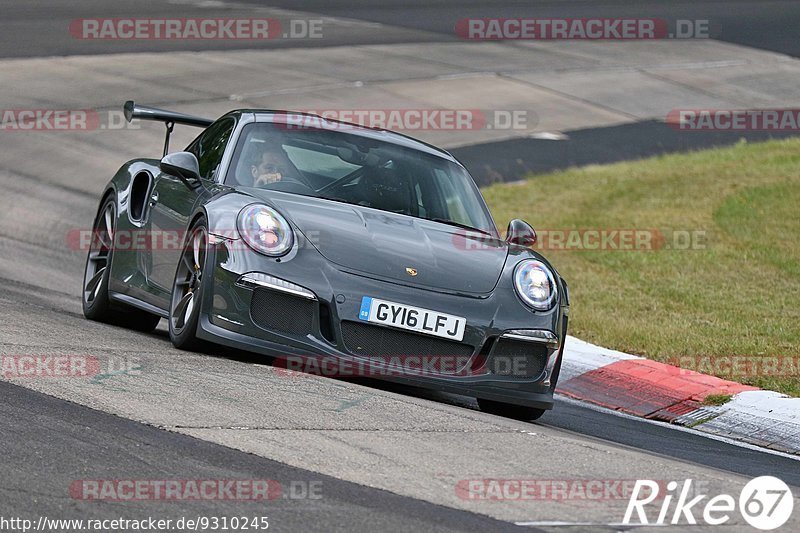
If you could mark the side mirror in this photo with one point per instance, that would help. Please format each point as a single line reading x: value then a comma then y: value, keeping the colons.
x: 184, y: 165
x: 520, y: 233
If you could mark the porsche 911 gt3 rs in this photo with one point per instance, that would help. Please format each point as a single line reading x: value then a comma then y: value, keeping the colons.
x: 307, y: 239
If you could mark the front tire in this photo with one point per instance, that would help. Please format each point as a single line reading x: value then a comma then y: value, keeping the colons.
x: 520, y: 412
x: 96, y: 303
x: 184, y: 310
x: 517, y: 412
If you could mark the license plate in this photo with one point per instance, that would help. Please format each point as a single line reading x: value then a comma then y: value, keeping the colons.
x: 412, y: 318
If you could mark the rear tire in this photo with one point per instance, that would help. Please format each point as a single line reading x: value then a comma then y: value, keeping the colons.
x: 187, y: 296
x: 96, y: 303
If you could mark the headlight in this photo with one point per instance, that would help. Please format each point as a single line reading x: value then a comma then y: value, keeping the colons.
x: 535, y: 284
x: 265, y: 230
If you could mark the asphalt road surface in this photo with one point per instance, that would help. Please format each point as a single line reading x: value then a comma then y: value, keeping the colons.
x: 389, y: 458
x: 33, y: 28
x: 513, y: 159
x: 38, y: 28
x: 771, y: 25
x: 70, y: 441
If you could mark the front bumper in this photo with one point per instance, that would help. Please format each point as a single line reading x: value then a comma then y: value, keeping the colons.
x: 315, y: 314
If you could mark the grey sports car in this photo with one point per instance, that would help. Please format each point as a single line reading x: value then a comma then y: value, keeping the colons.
x: 329, y: 247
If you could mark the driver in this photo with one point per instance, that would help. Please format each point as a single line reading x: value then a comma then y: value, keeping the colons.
x: 270, y: 166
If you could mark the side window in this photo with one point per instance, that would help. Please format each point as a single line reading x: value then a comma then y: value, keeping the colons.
x: 209, y: 147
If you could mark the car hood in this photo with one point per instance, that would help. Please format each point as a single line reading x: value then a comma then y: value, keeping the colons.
x: 386, y: 245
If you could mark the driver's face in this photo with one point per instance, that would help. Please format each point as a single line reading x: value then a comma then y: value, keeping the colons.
x: 270, y: 162
x: 272, y: 168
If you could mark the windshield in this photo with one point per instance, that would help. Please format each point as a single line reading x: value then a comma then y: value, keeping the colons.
x: 349, y: 168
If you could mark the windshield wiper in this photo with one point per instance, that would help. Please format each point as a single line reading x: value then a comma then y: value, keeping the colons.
x: 459, y: 225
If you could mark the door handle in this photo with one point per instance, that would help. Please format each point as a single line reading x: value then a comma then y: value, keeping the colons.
x: 153, y: 199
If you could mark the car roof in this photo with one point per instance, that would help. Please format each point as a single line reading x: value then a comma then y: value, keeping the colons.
x: 318, y: 122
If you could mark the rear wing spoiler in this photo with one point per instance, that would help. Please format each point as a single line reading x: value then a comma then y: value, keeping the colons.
x: 169, y: 118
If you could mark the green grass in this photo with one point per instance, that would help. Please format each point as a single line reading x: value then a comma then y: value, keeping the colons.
x: 717, y: 399
x: 737, y: 294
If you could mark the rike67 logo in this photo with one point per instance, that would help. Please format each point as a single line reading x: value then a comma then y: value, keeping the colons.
x: 765, y: 503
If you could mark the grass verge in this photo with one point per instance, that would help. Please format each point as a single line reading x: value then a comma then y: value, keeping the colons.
x: 717, y: 399
x: 718, y: 286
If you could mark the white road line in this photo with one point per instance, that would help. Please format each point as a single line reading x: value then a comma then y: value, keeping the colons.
x: 556, y: 523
